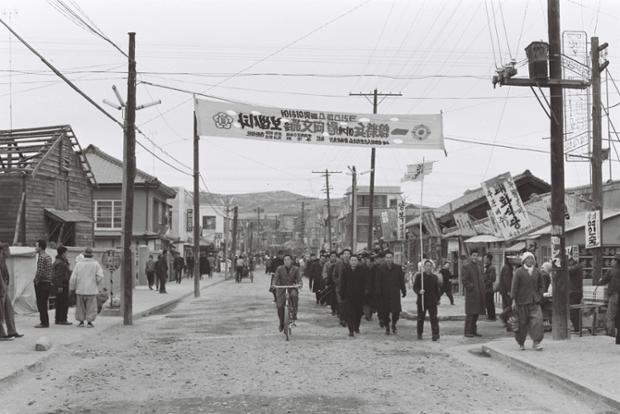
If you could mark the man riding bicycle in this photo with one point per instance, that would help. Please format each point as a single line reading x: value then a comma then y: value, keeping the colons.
x: 286, y: 275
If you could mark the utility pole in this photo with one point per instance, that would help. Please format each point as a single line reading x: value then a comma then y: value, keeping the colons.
x: 353, y: 208
x: 597, y: 161
x: 371, y: 204
x: 196, y: 210
x: 258, y: 210
x: 226, y: 229
x: 303, y: 222
x: 129, y: 175
x: 233, y: 248
x: 326, y: 174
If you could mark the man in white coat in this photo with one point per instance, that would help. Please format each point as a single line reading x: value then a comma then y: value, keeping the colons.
x: 85, y: 280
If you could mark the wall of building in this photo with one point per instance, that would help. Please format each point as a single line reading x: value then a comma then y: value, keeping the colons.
x: 10, y: 198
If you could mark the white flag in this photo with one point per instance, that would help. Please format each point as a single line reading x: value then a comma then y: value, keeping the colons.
x: 415, y: 172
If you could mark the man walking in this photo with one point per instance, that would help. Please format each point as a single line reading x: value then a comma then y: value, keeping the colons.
x: 505, y: 284
x: 390, y: 286
x: 189, y: 269
x: 150, y: 271
x: 613, y: 278
x: 60, y: 280
x: 352, y: 288
x: 328, y: 270
x: 85, y: 280
x: 490, y: 275
x: 7, y: 315
x: 446, y: 286
x: 178, y: 264
x: 575, y: 291
x: 43, y: 283
x: 473, y: 282
x: 527, y: 290
x: 339, y: 268
x: 204, y: 265
x: 313, y: 273
x: 427, y: 299
x: 161, y: 271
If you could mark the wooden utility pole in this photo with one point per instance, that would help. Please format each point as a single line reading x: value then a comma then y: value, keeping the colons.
x: 233, y: 247
x: 371, y: 203
x: 326, y: 174
x: 258, y: 210
x: 226, y: 230
x: 196, y: 214
x: 129, y: 175
x: 302, y: 222
x: 597, y: 161
x: 353, y: 209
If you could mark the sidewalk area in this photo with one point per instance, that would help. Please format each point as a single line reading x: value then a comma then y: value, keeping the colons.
x: 19, y: 355
x: 445, y: 311
x: 587, y: 365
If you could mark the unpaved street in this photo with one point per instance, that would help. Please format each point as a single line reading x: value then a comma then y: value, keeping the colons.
x: 222, y: 353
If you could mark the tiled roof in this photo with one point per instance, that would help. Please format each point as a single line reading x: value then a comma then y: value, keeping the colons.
x: 109, y: 170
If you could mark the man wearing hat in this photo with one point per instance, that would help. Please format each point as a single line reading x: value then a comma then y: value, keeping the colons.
x: 85, y: 280
x: 613, y: 278
x: 527, y: 292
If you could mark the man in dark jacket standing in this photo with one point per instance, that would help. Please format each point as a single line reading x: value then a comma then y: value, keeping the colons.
x: 473, y: 282
x: 60, y: 280
x: 613, y: 278
x: 204, y: 266
x: 490, y: 275
x: 575, y: 290
x: 431, y: 294
x: 390, y: 284
x: 340, y: 267
x: 505, y: 284
x: 43, y: 283
x: 161, y: 268
x: 352, y: 288
x: 313, y: 273
x: 189, y: 270
x: 527, y: 290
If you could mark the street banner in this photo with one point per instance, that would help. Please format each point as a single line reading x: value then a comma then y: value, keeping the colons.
x: 430, y: 223
x: 389, y: 225
x: 507, y: 206
x: 493, y: 224
x: 593, y: 229
x: 415, y: 172
x: 464, y: 224
x: 303, y: 126
x: 402, y: 219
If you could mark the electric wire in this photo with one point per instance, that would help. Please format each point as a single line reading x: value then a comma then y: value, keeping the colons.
x: 499, y: 45
x: 499, y: 125
x: 486, y: 7
x: 501, y: 11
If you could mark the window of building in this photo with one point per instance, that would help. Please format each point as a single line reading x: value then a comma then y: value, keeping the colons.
x: 189, y: 221
x: 208, y: 222
x: 108, y: 214
x: 393, y: 203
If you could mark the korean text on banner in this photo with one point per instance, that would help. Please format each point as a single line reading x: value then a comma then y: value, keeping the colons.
x: 507, y: 206
x: 593, y: 229
x: 430, y: 223
x: 236, y: 120
x: 464, y: 224
x: 402, y: 219
x: 415, y: 172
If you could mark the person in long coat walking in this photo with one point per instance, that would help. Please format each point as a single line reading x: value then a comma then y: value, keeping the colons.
x: 473, y: 282
x: 390, y: 285
x: 60, y: 281
x: 161, y: 270
x: 352, y: 289
x: 313, y: 271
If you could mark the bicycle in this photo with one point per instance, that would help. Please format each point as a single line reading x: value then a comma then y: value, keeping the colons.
x: 289, y: 322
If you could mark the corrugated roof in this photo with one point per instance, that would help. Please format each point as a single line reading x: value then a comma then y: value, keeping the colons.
x: 109, y: 170
x: 67, y: 216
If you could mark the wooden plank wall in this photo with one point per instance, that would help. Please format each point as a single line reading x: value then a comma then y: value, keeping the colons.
x: 10, y: 196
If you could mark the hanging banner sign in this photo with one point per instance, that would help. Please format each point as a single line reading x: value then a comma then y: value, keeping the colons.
x: 464, y: 224
x: 302, y: 126
x: 430, y: 223
x: 507, y: 206
x: 593, y: 229
x: 402, y: 219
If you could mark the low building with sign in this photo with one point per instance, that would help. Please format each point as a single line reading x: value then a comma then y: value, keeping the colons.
x: 182, y: 220
x: 47, y: 187
x: 213, y: 217
x: 151, y: 214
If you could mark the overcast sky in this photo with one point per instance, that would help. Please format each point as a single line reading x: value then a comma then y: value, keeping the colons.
x: 438, y: 54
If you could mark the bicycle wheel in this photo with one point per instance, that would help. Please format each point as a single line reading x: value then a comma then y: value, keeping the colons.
x: 287, y: 321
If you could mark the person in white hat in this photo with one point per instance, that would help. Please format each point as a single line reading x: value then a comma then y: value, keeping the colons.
x: 85, y: 281
x: 527, y: 292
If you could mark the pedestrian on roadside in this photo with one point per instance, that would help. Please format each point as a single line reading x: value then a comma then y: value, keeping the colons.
x: 490, y: 275
x: 545, y: 272
x: 504, y: 286
x: 330, y: 287
x: 85, y: 281
x: 340, y: 267
x: 351, y: 290
x: 370, y: 303
x: 61, y: 273
x: 204, y: 265
x: 473, y: 282
x: 575, y: 291
x: 7, y: 315
x: 527, y: 292
x: 313, y: 273
x: 390, y: 286
x: 161, y: 271
x: 239, y: 265
x: 612, y: 277
x: 150, y: 271
x: 43, y: 283
x: 446, y: 286
x: 189, y: 269
x: 178, y: 264
x: 428, y: 298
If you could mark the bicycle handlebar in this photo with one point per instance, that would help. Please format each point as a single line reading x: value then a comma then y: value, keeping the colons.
x: 286, y: 287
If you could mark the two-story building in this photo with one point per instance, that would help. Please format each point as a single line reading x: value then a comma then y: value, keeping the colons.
x: 182, y: 220
x: 151, y: 213
x: 46, y: 187
x: 212, y: 220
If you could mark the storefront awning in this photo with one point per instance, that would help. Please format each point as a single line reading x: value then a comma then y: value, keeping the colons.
x: 516, y: 247
x: 67, y: 216
x: 483, y: 238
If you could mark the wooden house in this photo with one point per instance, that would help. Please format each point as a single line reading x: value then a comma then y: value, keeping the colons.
x: 46, y: 187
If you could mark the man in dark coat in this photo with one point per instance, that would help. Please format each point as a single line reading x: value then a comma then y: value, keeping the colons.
x: 178, y: 265
x: 351, y: 290
x: 340, y: 267
x: 431, y: 294
x: 490, y: 275
x: 313, y: 273
x: 60, y: 282
x: 190, y: 265
x: 505, y: 284
x: 204, y: 265
x: 612, y: 276
x: 330, y: 288
x: 390, y: 284
x: 287, y: 275
x: 370, y: 302
x: 575, y: 290
x: 473, y: 282
x: 446, y: 286
x: 161, y: 270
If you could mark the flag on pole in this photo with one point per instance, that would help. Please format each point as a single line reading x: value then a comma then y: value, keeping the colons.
x: 415, y: 172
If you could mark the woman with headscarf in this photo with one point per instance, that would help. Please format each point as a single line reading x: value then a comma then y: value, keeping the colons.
x: 527, y: 292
